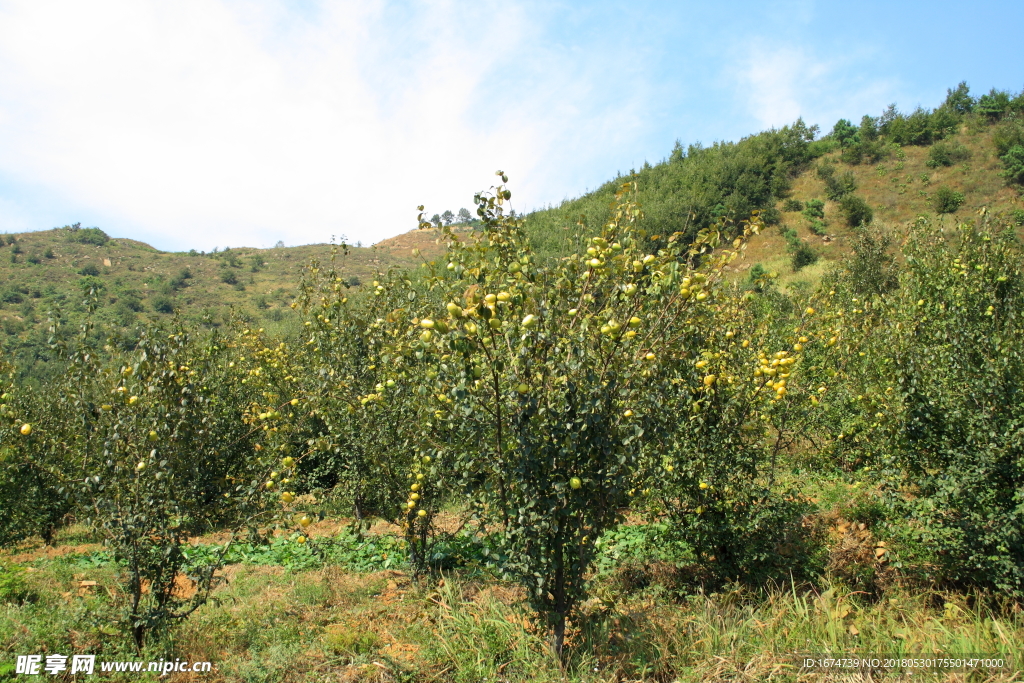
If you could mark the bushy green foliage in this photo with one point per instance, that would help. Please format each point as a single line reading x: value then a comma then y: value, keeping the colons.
x: 844, y: 132
x: 815, y: 208
x: 837, y: 185
x: 793, y: 204
x: 932, y: 402
x: 1013, y: 163
x: 1008, y: 134
x: 139, y: 422
x: 13, y: 586
x: 872, y: 269
x: 947, y: 200
x: 947, y: 154
x: 855, y: 210
x: 95, y: 236
x: 695, y: 188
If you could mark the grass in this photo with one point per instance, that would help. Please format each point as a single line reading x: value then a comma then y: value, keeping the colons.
x: 274, y: 619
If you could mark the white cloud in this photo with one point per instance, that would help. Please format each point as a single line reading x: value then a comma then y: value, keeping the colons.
x: 201, y: 123
x: 780, y: 83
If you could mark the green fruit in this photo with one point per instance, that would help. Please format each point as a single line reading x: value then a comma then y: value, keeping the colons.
x: 523, y: 388
x: 575, y: 482
x: 494, y: 324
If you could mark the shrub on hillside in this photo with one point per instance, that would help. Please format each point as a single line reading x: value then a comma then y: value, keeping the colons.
x: 855, y: 210
x: 162, y: 304
x: 815, y: 208
x: 95, y: 236
x: 802, y: 255
x: 1007, y: 134
x: 947, y: 154
x: 1013, y: 164
x: 792, y: 204
x: 947, y: 200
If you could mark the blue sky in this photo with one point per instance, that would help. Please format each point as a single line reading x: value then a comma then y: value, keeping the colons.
x: 204, y: 123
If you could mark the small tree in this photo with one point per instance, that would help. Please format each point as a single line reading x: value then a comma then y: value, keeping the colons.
x: 448, y: 217
x: 464, y: 216
x: 855, y: 210
x: 947, y: 200
x: 552, y: 378
x: 1013, y: 164
x: 140, y: 425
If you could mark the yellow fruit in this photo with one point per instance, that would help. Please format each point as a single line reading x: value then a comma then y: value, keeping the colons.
x: 305, y: 521
x: 26, y: 429
x: 300, y: 540
x: 628, y: 413
x: 494, y: 324
x: 503, y: 296
x: 701, y: 296
x: 573, y: 311
x: 709, y: 380
x: 287, y: 497
x: 809, y: 311
x: 133, y: 400
x: 575, y: 482
x: 107, y: 406
x: 287, y: 462
x: 421, y: 513
x: 415, y: 487
x: 141, y: 466
x: 414, y: 496
x: 490, y: 299
x: 701, y: 364
x: 427, y: 323
x: 153, y: 436
x: 703, y: 485
x: 523, y: 388
x: 650, y: 356
x: 426, y: 336
x: 530, y: 321
x: 295, y: 401
x: 635, y: 322
x: 426, y: 459
x: 803, y: 340
x: 454, y: 310
x: 798, y: 347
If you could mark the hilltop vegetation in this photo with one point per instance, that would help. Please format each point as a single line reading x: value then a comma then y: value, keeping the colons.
x: 47, y: 275
x: 954, y: 159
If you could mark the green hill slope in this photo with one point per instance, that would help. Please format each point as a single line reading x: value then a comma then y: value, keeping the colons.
x: 813, y: 193
x: 896, y: 166
x: 50, y: 271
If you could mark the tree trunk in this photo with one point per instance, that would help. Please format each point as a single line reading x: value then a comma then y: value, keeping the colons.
x: 558, y: 638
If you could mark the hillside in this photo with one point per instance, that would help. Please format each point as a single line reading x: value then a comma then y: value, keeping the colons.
x: 897, y: 163
x: 888, y: 170
x: 48, y: 271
